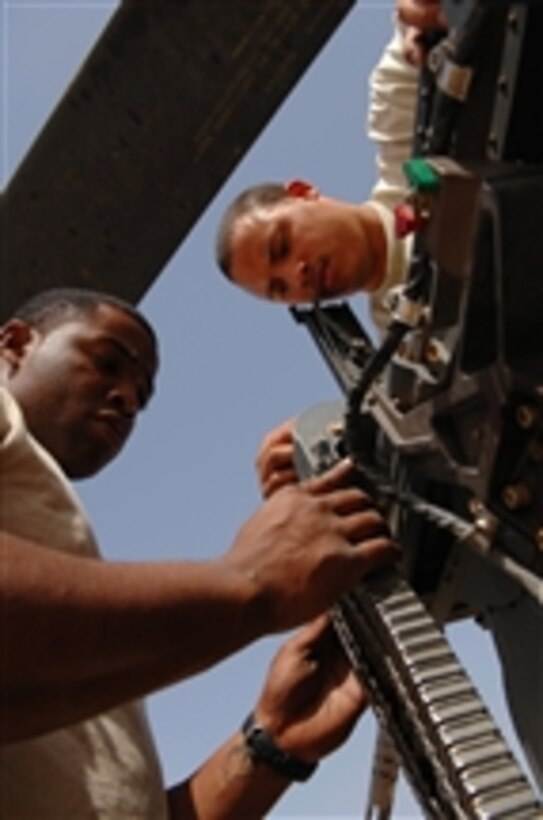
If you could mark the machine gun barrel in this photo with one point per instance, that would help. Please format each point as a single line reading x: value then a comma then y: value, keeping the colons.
x: 450, y: 748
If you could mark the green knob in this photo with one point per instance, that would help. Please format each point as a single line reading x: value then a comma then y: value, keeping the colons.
x: 420, y: 174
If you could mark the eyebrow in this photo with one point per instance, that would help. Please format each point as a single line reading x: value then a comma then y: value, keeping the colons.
x: 276, y: 242
x: 271, y: 246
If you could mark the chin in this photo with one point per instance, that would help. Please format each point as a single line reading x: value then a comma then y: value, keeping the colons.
x: 80, y: 472
x: 88, y: 465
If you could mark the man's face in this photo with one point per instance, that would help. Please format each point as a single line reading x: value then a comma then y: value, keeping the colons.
x: 301, y: 249
x: 81, y: 385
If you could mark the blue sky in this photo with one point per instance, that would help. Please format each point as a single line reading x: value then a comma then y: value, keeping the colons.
x: 232, y: 368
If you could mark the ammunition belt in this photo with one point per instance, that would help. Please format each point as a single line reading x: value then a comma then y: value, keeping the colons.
x: 450, y: 748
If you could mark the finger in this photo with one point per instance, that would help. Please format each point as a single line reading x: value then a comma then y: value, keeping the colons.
x: 337, y: 476
x: 421, y: 14
x: 313, y: 632
x: 413, y: 49
x: 356, y: 691
x: 281, y: 434
x: 363, y: 524
x: 317, y: 642
x: 374, y: 554
x: 348, y: 500
x: 278, y: 479
x: 280, y: 455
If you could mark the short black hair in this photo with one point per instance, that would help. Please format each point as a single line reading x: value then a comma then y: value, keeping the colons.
x: 267, y: 193
x: 50, y: 308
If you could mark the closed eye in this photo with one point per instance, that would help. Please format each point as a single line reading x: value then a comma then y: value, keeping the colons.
x: 279, y: 245
x: 113, y: 360
x: 109, y: 364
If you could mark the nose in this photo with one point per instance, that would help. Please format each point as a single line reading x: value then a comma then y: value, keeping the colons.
x: 305, y: 273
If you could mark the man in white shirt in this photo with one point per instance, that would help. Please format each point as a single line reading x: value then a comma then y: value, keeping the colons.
x: 289, y: 243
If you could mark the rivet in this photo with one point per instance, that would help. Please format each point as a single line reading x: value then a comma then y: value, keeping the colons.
x: 516, y: 496
x: 526, y: 416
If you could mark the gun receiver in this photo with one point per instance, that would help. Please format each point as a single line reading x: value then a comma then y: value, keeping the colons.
x: 444, y: 421
x: 452, y: 752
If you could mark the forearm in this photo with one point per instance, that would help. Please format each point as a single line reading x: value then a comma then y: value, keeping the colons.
x: 82, y: 636
x: 308, y: 707
x: 229, y: 785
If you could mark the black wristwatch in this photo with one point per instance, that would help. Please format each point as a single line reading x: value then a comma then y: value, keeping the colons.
x: 262, y: 748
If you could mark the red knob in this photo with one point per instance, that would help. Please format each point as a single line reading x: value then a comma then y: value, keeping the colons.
x: 406, y: 220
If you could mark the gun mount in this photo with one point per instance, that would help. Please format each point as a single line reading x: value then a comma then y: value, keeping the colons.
x: 444, y: 420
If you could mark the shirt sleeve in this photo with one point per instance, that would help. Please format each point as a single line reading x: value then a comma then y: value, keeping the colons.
x: 393, y: 87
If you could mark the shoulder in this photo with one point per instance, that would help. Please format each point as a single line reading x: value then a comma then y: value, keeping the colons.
x: 11, y: 418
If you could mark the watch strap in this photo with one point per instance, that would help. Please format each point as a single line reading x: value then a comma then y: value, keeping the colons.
x: 263, y: 748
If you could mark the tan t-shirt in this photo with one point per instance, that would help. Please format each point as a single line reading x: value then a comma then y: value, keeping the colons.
x: 104, y: 768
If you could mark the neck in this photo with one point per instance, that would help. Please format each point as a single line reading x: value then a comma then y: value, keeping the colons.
x: 377, y: 246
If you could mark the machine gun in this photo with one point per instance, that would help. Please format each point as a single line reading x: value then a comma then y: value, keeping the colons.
x: 444, y: 421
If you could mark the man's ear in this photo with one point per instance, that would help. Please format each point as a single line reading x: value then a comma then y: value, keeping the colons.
x: 302, y: 189
x: 15, y: 338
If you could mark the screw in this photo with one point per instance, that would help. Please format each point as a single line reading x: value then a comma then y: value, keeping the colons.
x: 485, y: 525
x: 432, y: 354
x: 476, y: 507
x: 516, y: 496
x: 526, y: 415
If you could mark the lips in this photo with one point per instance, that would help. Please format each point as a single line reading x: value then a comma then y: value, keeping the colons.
x: 117, y: 427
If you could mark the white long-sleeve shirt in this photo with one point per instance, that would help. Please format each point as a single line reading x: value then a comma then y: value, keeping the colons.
x: 390, y: 125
